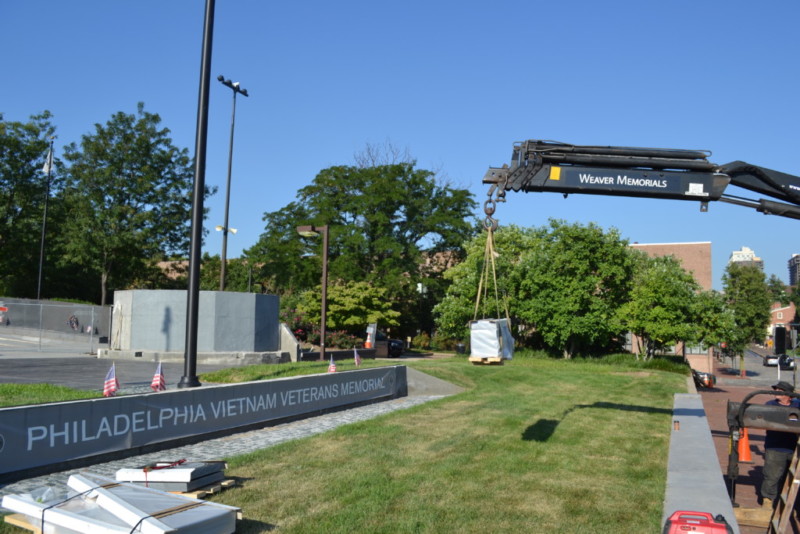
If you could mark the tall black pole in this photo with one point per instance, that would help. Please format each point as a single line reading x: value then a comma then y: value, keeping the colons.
x: 324, y: 292
x: 224, y: 259
x: 49, y: 166
x: 312, y: 231
x: 224, y: 263
x: 189, y: 378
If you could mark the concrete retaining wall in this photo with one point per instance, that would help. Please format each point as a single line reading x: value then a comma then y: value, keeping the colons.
x: 694, y: 478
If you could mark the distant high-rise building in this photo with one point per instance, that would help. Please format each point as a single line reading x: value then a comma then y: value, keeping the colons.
x: 747, y: 257
x: 794, y: 270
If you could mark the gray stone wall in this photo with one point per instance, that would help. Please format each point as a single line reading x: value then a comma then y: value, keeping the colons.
x: 155, y: 320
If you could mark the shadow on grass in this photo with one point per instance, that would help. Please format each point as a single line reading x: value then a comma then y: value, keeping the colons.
x: 250, y: 525
x: 543, y: 429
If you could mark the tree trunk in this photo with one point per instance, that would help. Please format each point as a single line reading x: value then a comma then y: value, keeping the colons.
x: 569, y: 349
x: 651, y: 349
x: 103, y: 284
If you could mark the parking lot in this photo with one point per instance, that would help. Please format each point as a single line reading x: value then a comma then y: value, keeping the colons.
x: 28, y: 360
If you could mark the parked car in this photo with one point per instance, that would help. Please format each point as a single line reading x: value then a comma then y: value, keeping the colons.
x: 786, y: 362
x: 388, y: 348
x: 771, y: 360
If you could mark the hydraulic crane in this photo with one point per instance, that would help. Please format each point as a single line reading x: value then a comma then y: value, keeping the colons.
x: 541, y: 166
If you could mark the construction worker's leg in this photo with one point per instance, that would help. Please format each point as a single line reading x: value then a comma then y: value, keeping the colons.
x: 775, y: 464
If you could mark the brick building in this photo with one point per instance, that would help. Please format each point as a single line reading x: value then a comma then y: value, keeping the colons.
x: 696, y: 259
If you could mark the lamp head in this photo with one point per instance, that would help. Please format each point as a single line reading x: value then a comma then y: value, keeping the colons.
x: 307, y: 231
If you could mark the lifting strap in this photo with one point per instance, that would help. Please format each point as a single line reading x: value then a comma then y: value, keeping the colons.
x: 483, y: 284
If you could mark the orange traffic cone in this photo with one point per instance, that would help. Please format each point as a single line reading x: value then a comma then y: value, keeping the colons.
x: 744, y: 448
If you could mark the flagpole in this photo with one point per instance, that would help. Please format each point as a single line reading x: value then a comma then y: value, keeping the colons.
x: 49, y: 167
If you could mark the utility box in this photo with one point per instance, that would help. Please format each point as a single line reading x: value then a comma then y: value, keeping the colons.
x: 779, y: 337
x: 490, y: 341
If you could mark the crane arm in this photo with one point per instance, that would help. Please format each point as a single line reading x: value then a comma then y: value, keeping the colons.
x: 542, y: 166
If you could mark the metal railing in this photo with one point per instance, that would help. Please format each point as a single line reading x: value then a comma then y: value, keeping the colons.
x: 54, y: 326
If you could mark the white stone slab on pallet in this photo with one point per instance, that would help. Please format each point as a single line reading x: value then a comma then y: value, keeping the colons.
x: 101, y: 505
x: 131, y: 503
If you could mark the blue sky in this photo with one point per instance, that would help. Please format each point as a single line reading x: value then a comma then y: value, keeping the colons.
x: 454, y: 83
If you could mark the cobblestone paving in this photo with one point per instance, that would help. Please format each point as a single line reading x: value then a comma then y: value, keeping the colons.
x: 233, y: 445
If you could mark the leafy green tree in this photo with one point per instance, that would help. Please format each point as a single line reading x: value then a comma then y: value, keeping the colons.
x: 661, y: 305
x: 238, y: 276
x: 162, y: 275
x: 23, y: 189
x: 565, y: 283
x: 571, y: 284
x: 777, y: 290
x: 383, y: 222
x: 457, y: 308
x: 284, y: 266
x: 128, y: 191
x: 351, y: 307
x: 714, y: 323
x: 749, y: 299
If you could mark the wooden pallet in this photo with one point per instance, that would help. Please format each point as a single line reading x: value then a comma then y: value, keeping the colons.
x: 19, y: 520
x: 213, y: 489
x: 753, y: 517
x: 477, y: 360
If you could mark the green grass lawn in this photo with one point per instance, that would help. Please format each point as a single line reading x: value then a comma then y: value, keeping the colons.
x: 22, y: 394
x: 532, y: 446
x: 536, y: 445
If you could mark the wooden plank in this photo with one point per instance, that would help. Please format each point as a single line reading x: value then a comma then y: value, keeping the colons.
x: 21, y: 521
x: 477, y: 360
x: 753, y: 517
x: 201, y: 493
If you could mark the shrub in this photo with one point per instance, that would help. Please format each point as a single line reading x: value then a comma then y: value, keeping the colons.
x: 343, y: 340
x: 445, y: 343
x: 421, y: 341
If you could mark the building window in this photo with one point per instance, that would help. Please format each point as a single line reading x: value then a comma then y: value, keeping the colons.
x: 696, y: 349
x: 780, y: 315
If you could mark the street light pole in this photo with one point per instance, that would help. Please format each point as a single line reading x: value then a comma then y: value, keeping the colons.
x: 312, y: 231
x: 236, y: 88
x: 48, y: 168
x: 189, y: 378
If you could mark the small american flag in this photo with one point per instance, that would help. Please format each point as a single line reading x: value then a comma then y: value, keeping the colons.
x: 159, y: 383
x: 332, y: 366
x: 111, y: 385
x: 356, y: 357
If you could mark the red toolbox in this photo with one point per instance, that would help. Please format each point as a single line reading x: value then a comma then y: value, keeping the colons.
x: 682, y: 522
